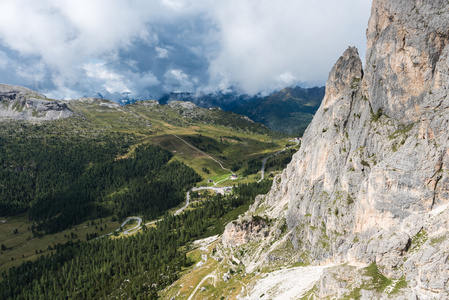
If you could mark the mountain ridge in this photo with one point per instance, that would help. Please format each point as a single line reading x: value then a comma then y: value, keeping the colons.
x: 289, y: 110
x: 21, y: 103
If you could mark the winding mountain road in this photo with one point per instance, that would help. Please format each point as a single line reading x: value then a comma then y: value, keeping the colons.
x: 264, y: 161
x: 139, y: 219
x: 135, y: 228
x: 194, y: 189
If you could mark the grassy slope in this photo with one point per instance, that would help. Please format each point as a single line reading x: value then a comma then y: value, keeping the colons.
x: 157, y: 125
x: 214, y: 287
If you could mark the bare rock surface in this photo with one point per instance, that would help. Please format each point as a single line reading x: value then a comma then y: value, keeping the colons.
x: 20, y: 103
x: 284, y: 284
x: 148, y: 103
x: 244, y: 230
x: 370, y: 183
x: 182, y: 105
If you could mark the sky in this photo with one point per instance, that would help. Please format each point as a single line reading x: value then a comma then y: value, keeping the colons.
x: 67, y: 49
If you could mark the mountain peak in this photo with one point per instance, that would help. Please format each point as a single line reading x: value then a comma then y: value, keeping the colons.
x: 346, y: 71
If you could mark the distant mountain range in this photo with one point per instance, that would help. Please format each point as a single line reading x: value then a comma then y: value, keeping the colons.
x: 289, y: 110
x: 226, y: 101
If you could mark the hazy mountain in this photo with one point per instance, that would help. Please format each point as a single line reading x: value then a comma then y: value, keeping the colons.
x: 226, y: 101
x: 289, y: 110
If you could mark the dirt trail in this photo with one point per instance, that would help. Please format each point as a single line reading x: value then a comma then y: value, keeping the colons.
x: 193, y: 147
x: 201, y: 282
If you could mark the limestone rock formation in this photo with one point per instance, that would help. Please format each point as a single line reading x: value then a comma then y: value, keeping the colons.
x: 148, y: 103
x: 20, y: 103
x: 182, y: 105
x: 100, y: 102
x: 370, y: 183
x: 244, y: 230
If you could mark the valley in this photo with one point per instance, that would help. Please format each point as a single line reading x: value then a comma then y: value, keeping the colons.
x: 108, y: 138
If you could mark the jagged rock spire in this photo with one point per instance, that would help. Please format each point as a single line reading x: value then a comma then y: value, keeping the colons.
x: 345, y: 72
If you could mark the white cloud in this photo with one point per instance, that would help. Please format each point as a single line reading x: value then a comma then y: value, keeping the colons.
x: 178, y: 75
x: 256, y: 45
x: 178, y: 81
x: 161, y: 52
x: 261, y: 39
x: 66, y: 34
x: 112, y: 82
x: 286, y: 79
x: 173, y: 4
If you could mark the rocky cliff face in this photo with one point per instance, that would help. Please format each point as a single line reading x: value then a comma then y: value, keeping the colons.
x: 370, y: 183
x: 244, y: 230
x: 20, y: 103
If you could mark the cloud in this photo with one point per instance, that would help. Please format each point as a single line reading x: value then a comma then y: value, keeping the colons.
x: 113, y: 82
x: 173, y: 4
x: 267, y: 40
x: 4, y: 60
x: 161, y: 52
x: 178, y: 81
x: 147, y: 48
x: 63, y: 35
x: 286, y: 79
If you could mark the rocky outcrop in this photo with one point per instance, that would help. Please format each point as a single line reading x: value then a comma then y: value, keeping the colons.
x: 147, y: 103
x: 98, y: 101
x: 347, y: 71
x: 244, y: 230
x: 21, y: 103
x: 182, y: 105
x: 370, y: 183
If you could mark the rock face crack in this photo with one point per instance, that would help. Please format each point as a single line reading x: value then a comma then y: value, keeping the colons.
x: 436, y: 178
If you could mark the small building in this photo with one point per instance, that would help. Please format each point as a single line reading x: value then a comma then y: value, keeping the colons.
x: 234, y: 177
